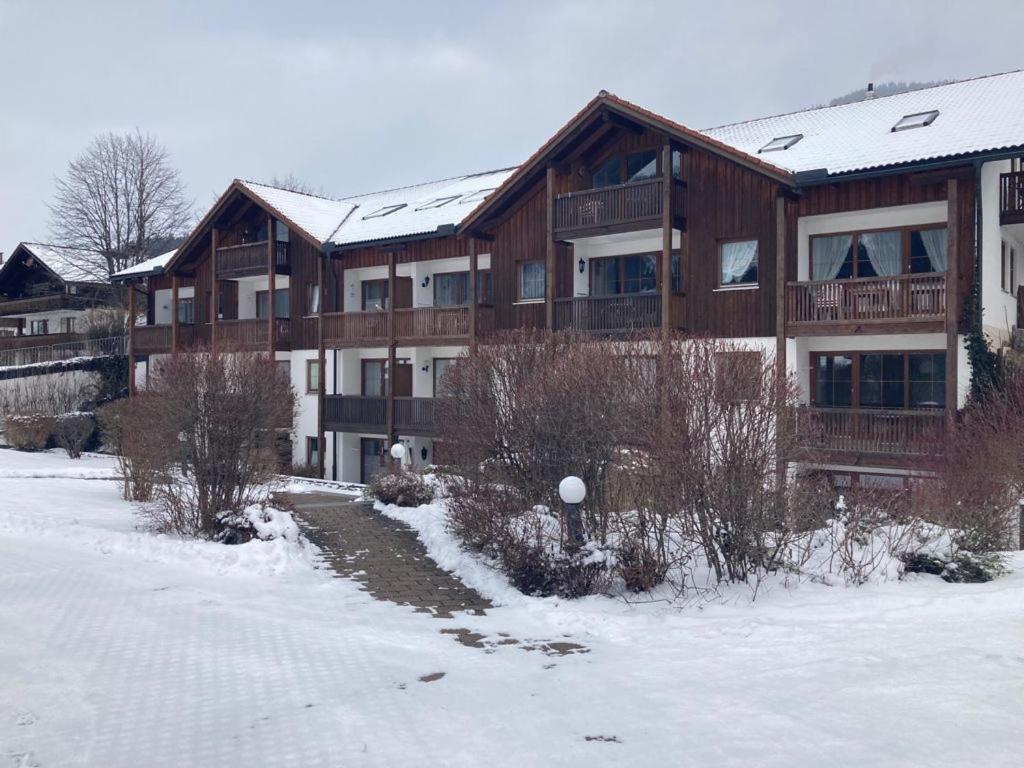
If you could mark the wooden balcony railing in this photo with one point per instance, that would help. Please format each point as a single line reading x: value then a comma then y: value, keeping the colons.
x: 818, y: 304
x: 1011, y: 198
x: 53, y: 301
x: 251, y: 335
x: 153, y: 339
x: 53, y: 347
x: 351, y: 329
x: 250, y: 260
x: 872, y: 431
x: 622, y: 207
x: 414, y: 416
x: 609, y: 314
x: 354, y: 413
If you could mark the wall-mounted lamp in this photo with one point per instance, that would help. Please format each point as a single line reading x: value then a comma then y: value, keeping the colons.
x: 426, y: 282
x: 583, y: 266
x: 425, y: 368
x: 423, y: 453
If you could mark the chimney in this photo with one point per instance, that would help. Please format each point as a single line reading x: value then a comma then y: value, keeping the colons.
x: 870, y: 92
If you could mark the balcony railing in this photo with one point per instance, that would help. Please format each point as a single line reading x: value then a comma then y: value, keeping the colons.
x: 53, y: 301
x: 353, y: 413
x: 622, y: 207
x: 609, y: 314
x: 152, y: 339
x: 53, y: 347
x: 1011, y: 198
x: 872, y: 431
x: 250, y: 259
x: 866, y: 301
x: 251, y: 335
x: 350, y: 329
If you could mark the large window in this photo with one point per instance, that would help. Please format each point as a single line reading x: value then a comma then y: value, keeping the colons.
x: 38, y: 327
x: 738, y: 261
x: 885, y: 253
x: 280, y: 303
x: 374, y: 375
x: 624, y: 274
x: 888, y: 380
x: 375, y: 294
x: 451, y: 289
x: 441, y: 366
x: 531, y: 281
x: 67, y: 325
x: 632, y: 166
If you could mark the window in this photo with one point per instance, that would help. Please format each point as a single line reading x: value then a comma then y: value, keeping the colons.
x: 280, y: 303
x: 1013, y: 270
x: 375, y: 294
x: 187, y: 310
x: 641, y: 165
x: 312, y: 452
x: 624, y: 274
x: 916, y: 120
x: 312, y: 377
x: 781, y: 143
x: 910, y: 250
x: 484, y: 287
x: 881, y: 381
x: 451, y: 289
x: 374, y: 375
x: 889, y: 380
x: 677, y: 164
x: 738, y: 259
x: 833, y: 386
x: 532, y: 281
x: 67, y: 325
x: 312, y: 299
x: 677, y: 274
x: 38, y: 327
x: 635, y: 166
x: 387, y: 210
x: 437, y: 202
x: 476, y: 197
x: 927, y: 379
x: 441, y: 366
x: 1002, y: 269
x: 607, y: 174
x: 738, y: 375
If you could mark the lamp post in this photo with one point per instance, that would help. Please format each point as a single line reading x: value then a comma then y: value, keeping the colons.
x: 572, y: 491
x: 397, y: 454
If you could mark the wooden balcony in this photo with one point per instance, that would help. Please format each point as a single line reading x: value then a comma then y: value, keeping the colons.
x: 611, y: 315
x: 251, y: 335
x: 903, y: 303
x: 620, y: 208
x: 1011, y: 198
x: 871, y: 433
x: 352, y: 413
x: 46, y: 303
x: 421, y: 325
x: 39, y: 340
x: 250, y: 260
x: 356, y: 329
x: 156, y: 339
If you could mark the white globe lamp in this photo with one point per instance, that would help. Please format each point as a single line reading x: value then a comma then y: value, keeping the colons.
x: 572, y: 490
x: 397, y: 451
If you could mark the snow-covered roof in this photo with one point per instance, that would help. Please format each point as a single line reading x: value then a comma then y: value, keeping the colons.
x: 71, y: 265
x: 151, y: 266
x: 985, y: 114
x: 318, y: 216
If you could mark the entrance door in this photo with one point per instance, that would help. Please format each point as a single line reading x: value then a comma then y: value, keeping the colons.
x: 371, y: 459
x: 403, y: 378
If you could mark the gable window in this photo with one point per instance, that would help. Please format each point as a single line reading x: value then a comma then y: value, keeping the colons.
x: 38, y: 327
x: 884, y: 253
x: 916, y: 120
x: 375, y: 295
x: 633, y: 166
x: 67, y: 325
x: 312, y: 299
x: 738, y: 260
x: 451, y: 289
x: 280, y: 304
x: 641, y: 165
x: 532, y: 283
x: 781, y: 143
x: 387, y: 210
x: 607, y: 174
x: 312, y: 377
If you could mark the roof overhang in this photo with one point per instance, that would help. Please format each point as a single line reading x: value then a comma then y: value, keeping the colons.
x: 443, y: 230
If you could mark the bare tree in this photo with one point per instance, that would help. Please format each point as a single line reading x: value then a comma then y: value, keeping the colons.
x: 293, y: 183
x: 121, y: 199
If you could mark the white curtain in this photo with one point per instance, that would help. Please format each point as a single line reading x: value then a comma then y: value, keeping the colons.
x: 883, y: 251
x: 737, y: 258
x: 828, y: 255
x: 935, y: 245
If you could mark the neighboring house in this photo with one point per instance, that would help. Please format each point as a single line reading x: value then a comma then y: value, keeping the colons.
x: 845, y: 240
x: 45, y: 290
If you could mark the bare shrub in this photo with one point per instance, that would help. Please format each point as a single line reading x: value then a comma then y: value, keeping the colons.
x: 29, y: 432
x: 103, y: 322
x: 404, y: 488
x: 73, y: 432
x: 144, y: 450
x: 50, y: 394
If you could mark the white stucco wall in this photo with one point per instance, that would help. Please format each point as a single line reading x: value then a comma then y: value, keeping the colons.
x: 422, y: 295
x: 647, y: 241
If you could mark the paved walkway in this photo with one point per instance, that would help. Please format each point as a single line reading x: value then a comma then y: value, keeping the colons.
x: 382, y: 554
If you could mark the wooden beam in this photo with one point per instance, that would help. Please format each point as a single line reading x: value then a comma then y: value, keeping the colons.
x: 131, y: 339
x: 952, y: 293
x: 214, y: 290
x: 550, y: 252
x: 623, y: 122
x: 666, y: 238
x: 175, y: 285
x: 474, y: 304
x: 389, y: 417
x: 321, y: 436
x: 271, y: 289
x: 780, y: 286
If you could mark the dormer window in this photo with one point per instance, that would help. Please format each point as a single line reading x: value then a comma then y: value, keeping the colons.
x: 780, y: 143
x: 437, y: 202
x: 385, y: 211
x: 916, y: 120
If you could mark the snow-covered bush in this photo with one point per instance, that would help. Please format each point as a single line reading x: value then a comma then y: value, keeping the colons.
x: 28, y: 432
x: 74, y: 432
x: 258, y: 521
x: 404, y: 488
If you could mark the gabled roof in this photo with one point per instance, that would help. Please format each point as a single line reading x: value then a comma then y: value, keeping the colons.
x: 318, y: 217
x: 985, y: 114
x: 152, y: 266
x: 69, y: 265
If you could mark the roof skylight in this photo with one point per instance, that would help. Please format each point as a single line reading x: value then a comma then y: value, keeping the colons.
x: 916, y: 120
x: 780, y: 143
x: 476, y: 197
x: 437, y: 202
x: 385, y: 211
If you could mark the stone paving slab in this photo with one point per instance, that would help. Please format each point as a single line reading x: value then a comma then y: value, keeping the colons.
x: 382, y: 554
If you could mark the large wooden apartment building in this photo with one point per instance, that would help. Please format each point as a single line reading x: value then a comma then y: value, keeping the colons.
x: 845, y: 240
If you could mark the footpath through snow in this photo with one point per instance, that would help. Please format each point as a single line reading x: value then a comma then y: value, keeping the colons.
x: 119, y: 648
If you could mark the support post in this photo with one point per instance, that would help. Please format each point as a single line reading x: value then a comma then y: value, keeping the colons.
x: 780, y: 285
x: 271, y: 289
x: 952, y: 294
x: 474, y: 300
x: 175, y: 284
x: 214, y: 290
x: 550, y: 253
x: 666, y: 237
x: 131, y: 339
x: 321, y: 437
x: 389, y: 407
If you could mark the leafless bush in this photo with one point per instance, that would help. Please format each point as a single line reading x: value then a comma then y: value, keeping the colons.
x: 404, y: 488
x: 73, y: 432
x: 28, y: 432
x: 50, y: 395
x: 103, y: 322
x: 144, y: 450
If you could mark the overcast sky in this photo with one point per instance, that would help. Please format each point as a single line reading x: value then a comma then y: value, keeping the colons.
x: 355, y: 97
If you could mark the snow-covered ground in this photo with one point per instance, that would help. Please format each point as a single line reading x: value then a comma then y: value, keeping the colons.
x: 119, y: 648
